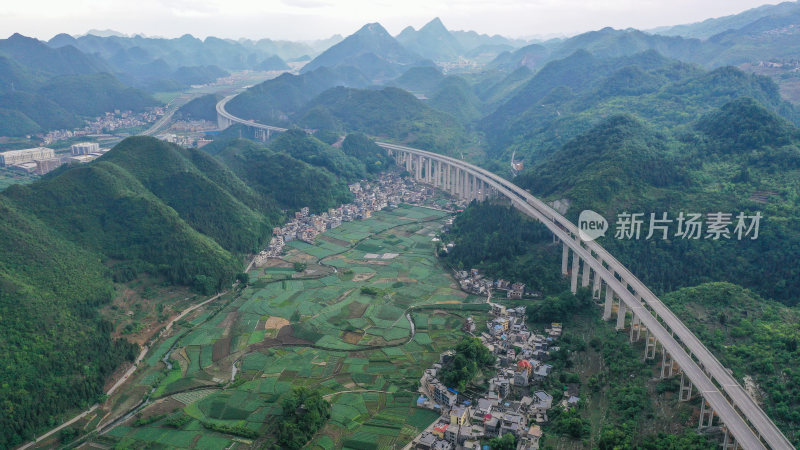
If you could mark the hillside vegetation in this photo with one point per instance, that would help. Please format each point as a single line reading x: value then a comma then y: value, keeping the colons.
x: 739, y: 158
x: 146, y: 207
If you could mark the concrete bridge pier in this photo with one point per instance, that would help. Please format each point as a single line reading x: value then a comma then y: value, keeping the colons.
x: 667, y: 364
x: 636, y: 328
x: 706, y: 415
x: 597, y: 284
x: 686, y: 389
x: 621, y: 315
x: 576, y: 262
x: 428, y: 173
x: 564, y: 259
x: 585, y: 274
x: 650, y: 345
x: 609, y: 303
x: 223, y: 122
x: 728, y: 441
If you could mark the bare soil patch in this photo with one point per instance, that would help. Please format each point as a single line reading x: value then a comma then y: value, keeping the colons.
x: 356, y: 309
x: 351, y: 337
x: 229, y: 320
x: 222, y: 348
x: 333, y: 240
x: 275, y: 323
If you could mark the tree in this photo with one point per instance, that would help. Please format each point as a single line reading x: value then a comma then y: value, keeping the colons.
x: 505, y: 442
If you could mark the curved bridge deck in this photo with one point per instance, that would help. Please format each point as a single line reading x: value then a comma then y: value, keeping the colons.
x: 745, y: 424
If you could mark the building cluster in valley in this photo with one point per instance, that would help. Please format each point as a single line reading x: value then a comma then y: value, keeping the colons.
x: 388, y: 190
x: 188, y: 133
x: 106, y: 123
x: 512, y: 403
x: 41, y: 160
x: 474, y: 282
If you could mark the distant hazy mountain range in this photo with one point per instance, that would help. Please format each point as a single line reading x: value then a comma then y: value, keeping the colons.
x: 135, y: 65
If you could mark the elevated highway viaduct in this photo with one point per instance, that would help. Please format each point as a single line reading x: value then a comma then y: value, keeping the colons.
x: 724, y: 402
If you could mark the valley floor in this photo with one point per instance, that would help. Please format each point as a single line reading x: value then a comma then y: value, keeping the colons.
x: 230, y: 362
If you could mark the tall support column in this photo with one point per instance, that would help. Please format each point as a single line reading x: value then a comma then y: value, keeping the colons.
x: 650, y: 345
x: 667, y: 364
x: 472, y: 190
x: 686, y: 389
x: 564, y: 259
x: 576, y: 261
x: 636, y: 328
x: 597, y: 285
x: 609, y: 303
x: 585, y: 274
x: 728, y: 441
x: 428, y: 173
x: 706, y: 415
x: 419, y: 168
x: 621, y: 315
x: 448, y: 184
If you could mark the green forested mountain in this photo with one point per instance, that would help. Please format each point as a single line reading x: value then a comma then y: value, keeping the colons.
x: 65, y: 237
x: 531, y: 57
x: 201, y: 190
x: 44, y: 88
x: 371, y: 50
x: 37, y: 56
x: 569, y: 96
x: 500, y: 241
x: 754, y: 337
x: 273, y: 101
x: 432, y: 41
x: 200, y: 108
x: 423, y: 79
x: 456, y: 97
x: 159, y: 64
x: 95, y: 94
x: 103, y: 207
x: 300, y: 145
x: 739, y: 158
x: 282, y: 178
x: 55, y: 348
x: 362, y: 148
x: 711, y: 27
x: 389, y: 113
x: 274, y: 62
x: 144, y: 207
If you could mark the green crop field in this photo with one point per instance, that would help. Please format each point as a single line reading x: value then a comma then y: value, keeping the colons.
x: 322, y: 331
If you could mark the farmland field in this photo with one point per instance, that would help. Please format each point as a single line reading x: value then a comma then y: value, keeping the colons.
x: 319, y: 328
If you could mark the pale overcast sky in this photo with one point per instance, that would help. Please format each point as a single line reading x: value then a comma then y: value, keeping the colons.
x: 315, y: 19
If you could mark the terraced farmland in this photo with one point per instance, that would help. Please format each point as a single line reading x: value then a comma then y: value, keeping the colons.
x: 321, y: 329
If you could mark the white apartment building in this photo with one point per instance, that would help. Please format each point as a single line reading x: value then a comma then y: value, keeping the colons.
x: 12, y: 157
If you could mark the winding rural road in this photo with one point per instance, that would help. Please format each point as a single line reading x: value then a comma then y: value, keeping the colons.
x: 124, y: 377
